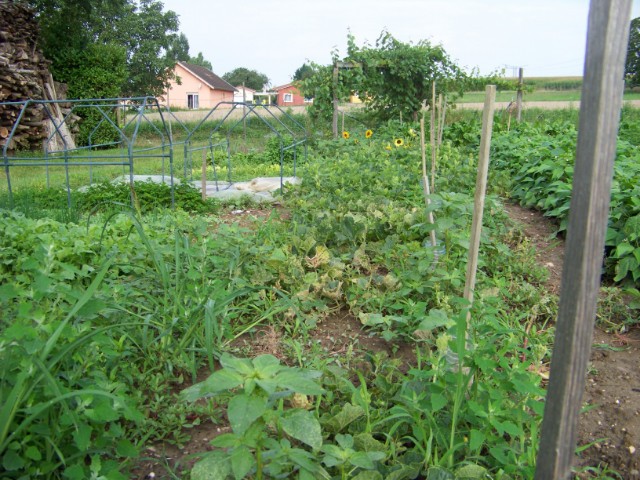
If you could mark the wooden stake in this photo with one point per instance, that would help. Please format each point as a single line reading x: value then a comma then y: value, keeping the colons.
x: 601, y: 101
x: 443, y: 104
x: 519, y: 96
x: 335, y: 101
x: 425, y: 180
x: 481, y: 190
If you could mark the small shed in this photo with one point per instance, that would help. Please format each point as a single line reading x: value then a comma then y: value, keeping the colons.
x: 197, y: 87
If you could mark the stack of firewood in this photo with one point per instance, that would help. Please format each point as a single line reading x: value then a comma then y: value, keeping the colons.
x: 23, y: 74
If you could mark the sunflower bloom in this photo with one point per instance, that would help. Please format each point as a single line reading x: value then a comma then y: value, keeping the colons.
x: 345, y: 135
x: 398, y: 142
x: 412, y: 132
x: 368, y: 134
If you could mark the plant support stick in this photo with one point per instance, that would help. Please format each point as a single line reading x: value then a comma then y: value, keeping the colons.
x: 481, y: 190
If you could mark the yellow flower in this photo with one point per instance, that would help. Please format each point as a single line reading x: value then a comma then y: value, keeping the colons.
x: 368, y: 134
x: 388, y: 147
x: 412, y: 132
x: 345, y: 135
x: 398, y: 142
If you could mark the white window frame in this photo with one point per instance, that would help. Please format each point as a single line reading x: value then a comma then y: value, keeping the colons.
x: 195, y: 101
x: 287, y: 97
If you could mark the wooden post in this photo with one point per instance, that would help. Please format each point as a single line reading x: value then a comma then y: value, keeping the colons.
x: 481, y: 190
x: 335, y: 101
x: 204, y: 175
x: 343, y: 121
x: 601, y: 101
x: 432, y: 136
x: 519, y: 95
x: 425, y: 179
x: 244, y: 118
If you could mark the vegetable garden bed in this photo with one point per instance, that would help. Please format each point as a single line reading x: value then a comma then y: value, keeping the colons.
x: 112, y: 326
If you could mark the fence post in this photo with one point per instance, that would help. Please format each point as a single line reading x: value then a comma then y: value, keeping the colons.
x: 600, y: 104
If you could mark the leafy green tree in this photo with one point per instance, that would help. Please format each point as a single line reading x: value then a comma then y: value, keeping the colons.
x: 397, y: 77
x: 179, y: 49
x: 632, y: 66
x: 200, y: 60
x: 304, y: 72
x: 147, y: 33
x: 251, y: 78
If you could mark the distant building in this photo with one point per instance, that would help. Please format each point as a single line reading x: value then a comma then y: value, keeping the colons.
x: 198, y: 87
x: 289, y: 96
x: 248, y: 94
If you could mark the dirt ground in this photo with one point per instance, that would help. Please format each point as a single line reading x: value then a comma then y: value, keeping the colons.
x: 610, y: 426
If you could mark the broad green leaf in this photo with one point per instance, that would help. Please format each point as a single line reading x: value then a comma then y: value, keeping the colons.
x: 218, y: 382
x: 438, y: 473
x: 438, y: 401
x: 242, y: 366
x: 304, y: 426
x: 82, y: 437
x: 435, y: 319
x: 266, y: 366
x: 368, y: 475
x: 345, y: 441
x: 298, y: 381
x: 241, y: 462
x: 11, y: 461
x: 471, y: 472
x: 348, y: 414
x: 404, y: 472
x: 476, y: 440
x: 126, y: 449
x: 362, y: 460
x: 75, y: 472
x: 243, y: 410
x: 365, y: 442
x: 214, y: 466
x: 33, y: 453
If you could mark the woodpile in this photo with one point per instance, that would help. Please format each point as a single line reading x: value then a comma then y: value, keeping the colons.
x: 24, y: 75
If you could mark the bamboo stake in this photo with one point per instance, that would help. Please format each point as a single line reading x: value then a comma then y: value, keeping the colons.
x: 442, y: 118
x: 432, y: 135
x: 425, y: 180
x: 481, y: 190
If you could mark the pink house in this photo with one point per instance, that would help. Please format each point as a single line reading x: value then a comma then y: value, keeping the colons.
x: 198, y: 88
x: 289, y: 96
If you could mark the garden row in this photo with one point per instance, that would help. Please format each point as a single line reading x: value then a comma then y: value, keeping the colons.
x: 105, y: 323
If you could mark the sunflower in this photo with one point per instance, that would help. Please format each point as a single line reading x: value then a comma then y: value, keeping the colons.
x: 345, y: 135
x: 398, y: 142
x: 412, y: 132
x: 368, y: 134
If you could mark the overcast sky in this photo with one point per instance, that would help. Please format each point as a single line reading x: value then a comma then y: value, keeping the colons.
x: 275, y: 37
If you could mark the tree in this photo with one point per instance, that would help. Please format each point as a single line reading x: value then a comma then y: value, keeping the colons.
x: 304, y: 72
x: 147, y: 33
x: 397, y: 77
x: 200, y: 60
x: 251, y: 78
x: 632, y: 66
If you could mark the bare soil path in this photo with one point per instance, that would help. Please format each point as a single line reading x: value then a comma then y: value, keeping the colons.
x: 609, y: 429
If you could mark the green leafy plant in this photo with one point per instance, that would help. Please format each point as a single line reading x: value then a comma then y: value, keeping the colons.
x: 255, y: 412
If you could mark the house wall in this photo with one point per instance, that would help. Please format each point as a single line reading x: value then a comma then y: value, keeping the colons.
x: 296, y: 97
x: 237, y: 96
x: 177, y: 95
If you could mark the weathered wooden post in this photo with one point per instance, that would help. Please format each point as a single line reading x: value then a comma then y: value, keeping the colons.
x: 600, y: 104
x: 519, y: 95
